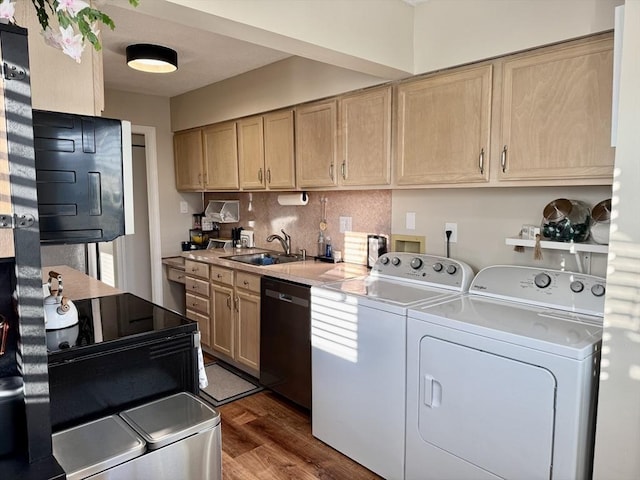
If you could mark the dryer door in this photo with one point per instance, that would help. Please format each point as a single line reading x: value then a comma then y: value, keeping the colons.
x: 494, y: 412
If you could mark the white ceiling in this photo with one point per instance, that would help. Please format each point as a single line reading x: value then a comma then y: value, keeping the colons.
x: 203, y: 57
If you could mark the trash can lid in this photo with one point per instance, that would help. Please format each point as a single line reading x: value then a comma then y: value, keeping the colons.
x: 96, y: 446
x: 170, y: 419
x: 11, y: 387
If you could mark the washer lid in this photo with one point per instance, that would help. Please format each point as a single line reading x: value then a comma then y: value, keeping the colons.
x: 555, y: 331
x: 381, y: 290
x: 171, y: 419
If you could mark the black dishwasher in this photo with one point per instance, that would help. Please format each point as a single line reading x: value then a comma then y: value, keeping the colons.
x: 285, y: 339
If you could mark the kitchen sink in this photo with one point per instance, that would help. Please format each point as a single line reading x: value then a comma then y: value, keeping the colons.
x: 265, y: 258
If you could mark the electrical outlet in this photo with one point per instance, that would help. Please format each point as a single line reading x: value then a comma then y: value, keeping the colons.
x: 184, y: 207
x: 345, y: 224
x: 454, y: 232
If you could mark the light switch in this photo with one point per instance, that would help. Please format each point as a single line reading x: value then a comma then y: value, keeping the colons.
x: 184, y: 207
x: 411, y: 220
x: 345, y: 224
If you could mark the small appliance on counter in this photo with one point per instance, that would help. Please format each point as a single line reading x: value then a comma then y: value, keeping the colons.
x: 247, y: 239
x: 376, y: 247
x: 219, y: 243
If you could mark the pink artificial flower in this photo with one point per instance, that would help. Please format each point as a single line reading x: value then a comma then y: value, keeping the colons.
x: 51, y: 38
x: 7, y: 10
x: 71, y: 44
x: 72, y: 7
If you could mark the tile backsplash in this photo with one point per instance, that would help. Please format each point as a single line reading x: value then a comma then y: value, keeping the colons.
x: 370, y: 211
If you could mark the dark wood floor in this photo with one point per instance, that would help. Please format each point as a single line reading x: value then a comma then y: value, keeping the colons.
x: 265, y: 437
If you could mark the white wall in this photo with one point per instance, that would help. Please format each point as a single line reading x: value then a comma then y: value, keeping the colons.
x: 449, y: 33
x: 485, y: 217
x: 287, y: 82
x: 618, y: 417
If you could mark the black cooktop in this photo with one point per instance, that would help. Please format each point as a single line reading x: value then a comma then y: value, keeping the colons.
x: 114, y: 321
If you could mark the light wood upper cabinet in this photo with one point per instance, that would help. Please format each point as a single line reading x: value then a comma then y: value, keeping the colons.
x: 365, y: 138
x: 266, y: 156
x: 188, y: 158
x: 556, y: 113
x: 279, y: 152
x: 316, y: 144
x: 251, y: 153
x: 220, y: 149
x: 442, y: 129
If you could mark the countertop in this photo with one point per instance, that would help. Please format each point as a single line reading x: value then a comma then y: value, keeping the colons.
x: 77, y: 285
x: 308, y: 272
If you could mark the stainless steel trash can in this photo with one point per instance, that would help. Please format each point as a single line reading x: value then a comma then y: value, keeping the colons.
x: 183, y: 440
x: 12, y: 417
x: 94, y: 447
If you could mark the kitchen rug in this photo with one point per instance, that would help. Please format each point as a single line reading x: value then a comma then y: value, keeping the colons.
x: 226, y: 385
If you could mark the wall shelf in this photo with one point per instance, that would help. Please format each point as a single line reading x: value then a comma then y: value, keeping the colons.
x: 582, y: 251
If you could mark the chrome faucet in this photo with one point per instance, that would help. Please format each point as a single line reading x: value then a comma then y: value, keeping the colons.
x: 285, y: 242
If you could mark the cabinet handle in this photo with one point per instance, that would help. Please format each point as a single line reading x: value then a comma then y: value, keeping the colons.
x: 237, y: 304
x: 268, y: 175
x: 343, y: 167
x: 229, y: 302
x: 205, y: 178
x: 503, y: 160
x: 200, y: 179
x: 180, y: 277
x: 244, y: 282
x: 260, y: 175
x: 481, y: 161
x: 331, y: 171
x: 219, y: 275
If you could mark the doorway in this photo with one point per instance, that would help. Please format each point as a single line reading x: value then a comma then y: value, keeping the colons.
x: 132, y: 262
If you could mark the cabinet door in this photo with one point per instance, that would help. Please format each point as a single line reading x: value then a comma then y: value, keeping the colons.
x: 316, y: 146
x: 365, y: 140
x: 187, y: 153
x: 220, y: 157
x: 248, y: 329
x: 556, y: 113
x: 222, y: 331
x: 443, y: 128
x: 279, y: 154
x: 251, y: 153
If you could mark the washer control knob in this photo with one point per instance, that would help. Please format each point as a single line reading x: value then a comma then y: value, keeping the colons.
x: 598, y: 290
x: 384, y: 260
x: 576, y: 286
x: 451, y: 269
x: 416, y: 263
x: 542, y: 280
x: 437, y: 267
x: 395, y: 261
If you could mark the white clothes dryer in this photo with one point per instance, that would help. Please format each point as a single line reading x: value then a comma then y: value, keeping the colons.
x: 358, y: 354
x: 502, y: 382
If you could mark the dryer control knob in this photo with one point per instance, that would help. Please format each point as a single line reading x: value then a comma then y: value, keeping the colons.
x: 451, y: 269
x: 598, y: 290
x: 437, y: 267
x: 395, y: 261
x: 542, y: 280
x: 576, y: 286
x: 384, y: 260
x: 416, y: 263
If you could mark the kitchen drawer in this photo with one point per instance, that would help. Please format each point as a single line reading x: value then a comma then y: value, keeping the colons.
x: 197, y: 303
x: 222, y: 275
x: 195, y: 285
x: 196, y: 269
x: 248, y: 281
x: 176, y: 275
x: 203, y: 325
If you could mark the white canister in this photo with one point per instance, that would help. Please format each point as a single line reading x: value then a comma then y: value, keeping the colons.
x: 601, y: 222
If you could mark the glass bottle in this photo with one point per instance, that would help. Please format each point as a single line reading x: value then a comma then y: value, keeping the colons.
x: 321, y: 245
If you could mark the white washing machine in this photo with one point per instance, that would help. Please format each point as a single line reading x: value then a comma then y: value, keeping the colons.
x: 502, y: 382
x: 358, y: 355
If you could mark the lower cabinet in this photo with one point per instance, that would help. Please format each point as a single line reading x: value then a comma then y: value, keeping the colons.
x: 235, y: 317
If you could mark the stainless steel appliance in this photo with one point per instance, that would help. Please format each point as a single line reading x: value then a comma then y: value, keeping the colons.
x: 376, y: 247
x: 285, y: 339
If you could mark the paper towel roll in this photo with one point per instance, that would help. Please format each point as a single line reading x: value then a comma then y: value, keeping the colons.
x: 293, y: 198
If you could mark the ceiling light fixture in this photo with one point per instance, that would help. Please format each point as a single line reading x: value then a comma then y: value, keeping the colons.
x: 152, y: 58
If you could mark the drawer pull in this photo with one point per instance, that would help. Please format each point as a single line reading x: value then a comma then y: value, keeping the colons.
x: 219, y: 276
x: 244, y: 282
